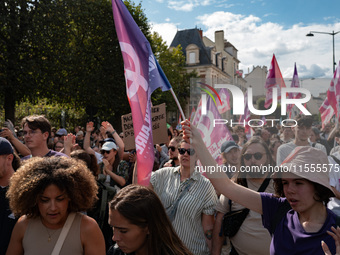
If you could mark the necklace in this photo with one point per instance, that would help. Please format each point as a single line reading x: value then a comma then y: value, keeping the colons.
x: 50, y: 235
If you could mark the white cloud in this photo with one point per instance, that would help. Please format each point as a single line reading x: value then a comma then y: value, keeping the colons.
x: 257, y: 42
x: 188, y: 5
x: 166, y: 30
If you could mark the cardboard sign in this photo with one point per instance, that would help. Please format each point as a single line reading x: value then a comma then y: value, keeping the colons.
x: 159, y: 128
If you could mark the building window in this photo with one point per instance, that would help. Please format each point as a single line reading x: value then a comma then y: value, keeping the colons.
x: 192, y: 58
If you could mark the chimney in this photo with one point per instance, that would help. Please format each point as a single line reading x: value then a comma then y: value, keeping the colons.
x: 200, y: 31
x: 219, y: 40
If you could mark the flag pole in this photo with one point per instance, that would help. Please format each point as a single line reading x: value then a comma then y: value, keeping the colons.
x: 177, y: 102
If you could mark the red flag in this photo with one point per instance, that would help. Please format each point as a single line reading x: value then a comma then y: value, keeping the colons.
x: 333, y: 93
x: 142, y: 75
x: 326, y: 111
x: 274, y: 80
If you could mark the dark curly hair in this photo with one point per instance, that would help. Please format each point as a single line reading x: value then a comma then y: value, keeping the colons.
x: 142, y: 207
x: 36, y: 174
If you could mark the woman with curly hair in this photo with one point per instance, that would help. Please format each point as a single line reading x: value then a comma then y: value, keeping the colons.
x: 47, y: 193
x: 141, y: 226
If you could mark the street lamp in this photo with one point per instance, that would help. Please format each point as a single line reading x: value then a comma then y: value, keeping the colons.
x: 332, y: 34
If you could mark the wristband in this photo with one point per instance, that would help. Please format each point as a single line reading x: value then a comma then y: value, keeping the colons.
x: 114, y: 131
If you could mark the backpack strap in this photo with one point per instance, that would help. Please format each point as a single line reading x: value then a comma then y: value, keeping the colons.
x: 280, y: 213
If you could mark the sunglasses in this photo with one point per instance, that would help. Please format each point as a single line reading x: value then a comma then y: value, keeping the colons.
x: 103, y: 152
x: 189, y: 151
x: 257, y: 156
x: 172, y: 148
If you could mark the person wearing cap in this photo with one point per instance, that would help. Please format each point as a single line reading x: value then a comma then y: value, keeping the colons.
x: 114, y: 174
x: 106, y: 127
x: 37, y: 130
x: 230, y: 153
x: 302, y: 133
x: 255, y: 153
x: 298, y: 230
x: 8, y: 164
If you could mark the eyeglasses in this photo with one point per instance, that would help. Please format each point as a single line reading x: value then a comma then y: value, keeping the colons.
x: 257, y: 156
x: 31, y: 132
x: 103, y: 152
x: 172, y: 148
x: 189, y: 151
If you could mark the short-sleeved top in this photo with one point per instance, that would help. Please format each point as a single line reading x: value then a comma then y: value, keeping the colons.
x: 285, y: 149
x: 200, y: 198
x: 252, y: 230
x: 51, y: 153
x: 35, y: 240
x: 289, y: 237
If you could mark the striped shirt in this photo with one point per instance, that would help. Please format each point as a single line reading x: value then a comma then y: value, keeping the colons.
x: 201, y: 198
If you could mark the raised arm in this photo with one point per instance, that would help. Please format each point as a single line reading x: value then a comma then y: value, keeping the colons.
x: 241, y: 195
x: 87, y: 138
x: 108, y: 127
x: 19, y: 146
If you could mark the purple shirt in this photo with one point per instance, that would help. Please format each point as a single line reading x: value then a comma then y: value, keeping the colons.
x: 51, y: 153
x: 289, y: 236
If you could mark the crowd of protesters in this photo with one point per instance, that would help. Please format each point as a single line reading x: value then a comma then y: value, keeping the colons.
x: 74, y: 192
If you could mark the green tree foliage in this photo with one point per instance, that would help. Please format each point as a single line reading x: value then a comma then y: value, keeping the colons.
x: 67, y: 51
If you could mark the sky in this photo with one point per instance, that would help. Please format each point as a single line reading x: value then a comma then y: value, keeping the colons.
x: 258, y: 29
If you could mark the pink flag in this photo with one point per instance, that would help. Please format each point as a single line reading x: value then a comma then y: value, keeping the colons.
x: 274, y: 80
x: 225, y: 96
x: 142, y: 75
x: 326, y: 111
x: 246, y: 116
x: 333, y: 93
x: 295, y: 84
x: 193, y: 111
x: 198, y: 114
x: 213, y: 137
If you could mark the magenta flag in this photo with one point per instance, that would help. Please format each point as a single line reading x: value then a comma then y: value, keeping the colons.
x: 295, y: 84
x: 192, y: 115
x: 225, y: 97
x: 246, y: 117
x: 274, y: 80
x: 213, y: 137
x: 142, y: 75
x: 326, y: 111
x: 333, y: 93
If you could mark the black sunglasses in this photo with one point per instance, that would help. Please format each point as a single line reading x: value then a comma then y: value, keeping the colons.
x: 172, y: 148
x: 103, y: 152
x: 189, y: 151
x: 257, y: 156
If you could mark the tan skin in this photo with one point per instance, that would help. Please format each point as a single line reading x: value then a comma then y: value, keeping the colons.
x: 186, y: 169
x: 53, y: 208
x: 309, y: 215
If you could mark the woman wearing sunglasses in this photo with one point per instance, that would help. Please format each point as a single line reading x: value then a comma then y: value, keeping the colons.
x: 255, y: 155
x: 297, y: 216
x: 189, y: 199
